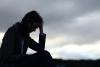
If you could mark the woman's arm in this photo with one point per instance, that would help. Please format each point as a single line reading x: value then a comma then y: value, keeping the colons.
x: 37, y: 46
x: 42, y: 37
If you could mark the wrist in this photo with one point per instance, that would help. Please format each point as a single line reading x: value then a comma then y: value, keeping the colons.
x: 42, y: 34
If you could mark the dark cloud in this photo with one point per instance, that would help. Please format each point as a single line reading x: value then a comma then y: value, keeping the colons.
x: 61, y: 19
x: 57, y: 15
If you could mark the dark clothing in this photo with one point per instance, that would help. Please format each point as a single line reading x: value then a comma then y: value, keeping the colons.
x: 14, y: 47
x: 39, y: 59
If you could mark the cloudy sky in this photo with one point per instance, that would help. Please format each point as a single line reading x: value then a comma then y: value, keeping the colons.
x: 72, y: 26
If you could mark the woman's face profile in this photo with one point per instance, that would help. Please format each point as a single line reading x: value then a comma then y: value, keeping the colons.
x: 32, y: 26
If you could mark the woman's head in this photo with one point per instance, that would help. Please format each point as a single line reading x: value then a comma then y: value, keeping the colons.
x: 31, y: 17
x: 31, y: 21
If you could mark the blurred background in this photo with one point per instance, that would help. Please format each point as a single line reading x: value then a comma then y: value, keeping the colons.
x: 72, y: 26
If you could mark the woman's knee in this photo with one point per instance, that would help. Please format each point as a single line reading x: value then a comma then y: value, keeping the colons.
x: 44, y: 53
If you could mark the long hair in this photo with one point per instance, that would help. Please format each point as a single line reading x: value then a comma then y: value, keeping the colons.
x: 31, y: 17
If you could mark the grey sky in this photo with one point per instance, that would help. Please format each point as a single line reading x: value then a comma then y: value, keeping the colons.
x: 74, y: 21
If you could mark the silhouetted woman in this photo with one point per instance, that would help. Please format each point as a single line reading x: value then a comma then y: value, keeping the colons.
x: 17, y: 40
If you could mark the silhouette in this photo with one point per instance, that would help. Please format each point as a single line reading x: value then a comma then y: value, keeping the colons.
x: 16, y: 41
